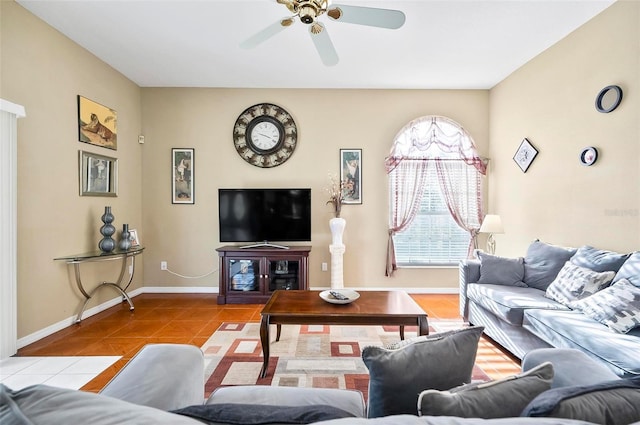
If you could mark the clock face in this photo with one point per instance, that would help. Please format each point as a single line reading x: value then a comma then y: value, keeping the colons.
x: 265, y: 135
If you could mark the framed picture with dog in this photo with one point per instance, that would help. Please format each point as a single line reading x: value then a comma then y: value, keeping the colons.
x: 182, y: 182
x: 97, y: 124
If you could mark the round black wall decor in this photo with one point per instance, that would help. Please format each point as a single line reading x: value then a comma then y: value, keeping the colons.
x: 608, y: 99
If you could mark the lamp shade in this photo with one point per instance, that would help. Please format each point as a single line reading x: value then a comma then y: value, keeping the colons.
x: 491, y: 224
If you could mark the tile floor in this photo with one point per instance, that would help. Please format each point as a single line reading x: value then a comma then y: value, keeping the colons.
x: 66, y: 372
x: 118, y: 334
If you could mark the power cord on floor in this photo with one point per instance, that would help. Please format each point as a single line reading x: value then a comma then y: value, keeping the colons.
x: 190, y: 277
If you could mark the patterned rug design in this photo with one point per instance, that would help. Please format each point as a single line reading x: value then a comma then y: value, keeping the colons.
x: 317, y: 356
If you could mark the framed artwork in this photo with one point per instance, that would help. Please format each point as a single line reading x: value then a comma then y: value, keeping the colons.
x: 133, y: 235
x: 98, y: 174
x: 97, y: 124
x: 525, y: 155
x: 351, y: 175
x: 183, y: 176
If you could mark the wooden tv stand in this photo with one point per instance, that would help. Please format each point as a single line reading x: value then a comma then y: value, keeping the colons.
x: 251, y: 275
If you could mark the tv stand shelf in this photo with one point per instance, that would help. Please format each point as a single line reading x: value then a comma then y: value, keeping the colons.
x: 251, y: 275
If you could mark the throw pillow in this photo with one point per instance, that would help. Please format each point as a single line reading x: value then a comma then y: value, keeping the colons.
x: 543, y: 262
x: 574, y: 283
x: 630, y: 270
x: 439, y: 361
x: 617, y: 306
x: 502, y: 398
x: 260, y: 414
x: 612, y: 402
x: 598, y: 260
x: 500, y: 271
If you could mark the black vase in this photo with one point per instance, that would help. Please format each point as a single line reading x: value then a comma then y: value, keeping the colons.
x: 125, y: 238
x: 107, y: 244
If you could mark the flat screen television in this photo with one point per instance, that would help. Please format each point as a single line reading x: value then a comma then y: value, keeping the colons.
x: 262, y: 216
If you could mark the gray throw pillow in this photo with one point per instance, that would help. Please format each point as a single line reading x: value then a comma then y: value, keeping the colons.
x: 612, y: 403
x: 617, y: 306
x: 500, y: 270
x: 543, y: 262
x: 439, y: 361
x: 630, y: 270
x: 502, y: 398
x: 598, y: 260
x: 575, y: 283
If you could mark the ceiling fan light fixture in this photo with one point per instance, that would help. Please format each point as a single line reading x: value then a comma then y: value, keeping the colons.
x: 316, y: 28
x: 286, y: 22
x: 335, y: 13
x: 308, y: 13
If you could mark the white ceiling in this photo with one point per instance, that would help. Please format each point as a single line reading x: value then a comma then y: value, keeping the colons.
x: 450, y: 44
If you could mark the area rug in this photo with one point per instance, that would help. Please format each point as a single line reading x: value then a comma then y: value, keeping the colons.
x: 318, y: 356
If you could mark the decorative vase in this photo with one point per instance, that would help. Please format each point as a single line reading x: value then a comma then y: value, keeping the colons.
x: 107, y: 244
x: 337, y: 225
x: 125, y: 238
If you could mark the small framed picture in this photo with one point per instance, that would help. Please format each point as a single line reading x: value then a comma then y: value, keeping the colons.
x: 133, y: 235
x: 525, y: 155
x: 351, y: 175
x: 182, y: 185
x: 98, y: 174
x: 97, y: 124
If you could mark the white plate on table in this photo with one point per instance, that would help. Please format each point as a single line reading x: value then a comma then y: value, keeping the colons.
x: 351, y: 296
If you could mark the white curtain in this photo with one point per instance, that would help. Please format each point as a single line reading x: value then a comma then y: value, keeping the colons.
x: 421, y: 143
x: 407, y: 180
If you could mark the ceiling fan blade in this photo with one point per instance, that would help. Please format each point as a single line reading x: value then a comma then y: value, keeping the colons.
x: 371, y: 16
x: 323, y: 44
x: 266, y: 33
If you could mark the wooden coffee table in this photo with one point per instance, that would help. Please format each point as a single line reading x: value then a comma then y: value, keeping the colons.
x: 394, y: 308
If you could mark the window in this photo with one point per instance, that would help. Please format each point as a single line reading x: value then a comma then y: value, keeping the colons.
x: 433, y: 238
x: 435, y: 189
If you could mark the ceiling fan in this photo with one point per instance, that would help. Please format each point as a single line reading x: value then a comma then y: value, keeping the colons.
x: 308, y: 11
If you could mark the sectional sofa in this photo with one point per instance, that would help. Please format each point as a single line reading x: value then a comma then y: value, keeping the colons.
x: 586, y: 298
x: 163, y: 384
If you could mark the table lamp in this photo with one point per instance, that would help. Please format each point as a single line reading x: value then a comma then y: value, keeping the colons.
x: 491, y: 225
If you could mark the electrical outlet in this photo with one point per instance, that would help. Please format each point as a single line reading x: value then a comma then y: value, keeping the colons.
x: 324, y: 267
x: 130, y: 269
x: 163, y: 265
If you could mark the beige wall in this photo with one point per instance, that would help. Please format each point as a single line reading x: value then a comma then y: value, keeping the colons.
x: 186, y: 236
x: 44, y: 71
x: 550, y: 101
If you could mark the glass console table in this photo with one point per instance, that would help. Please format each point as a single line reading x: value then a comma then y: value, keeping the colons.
x: 117, y: 254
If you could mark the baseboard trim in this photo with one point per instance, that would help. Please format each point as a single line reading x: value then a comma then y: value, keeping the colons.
x: 69, y: 321
x: 65, y: 323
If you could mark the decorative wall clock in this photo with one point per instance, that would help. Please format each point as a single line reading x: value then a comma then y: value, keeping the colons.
x: 608, y: 99
x: 588, y: 156
x: 265, y: 135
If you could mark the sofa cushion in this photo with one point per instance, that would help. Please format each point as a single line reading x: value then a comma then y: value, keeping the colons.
x: 501, y: 398
x: 574, y: 283
x: 617, y: 306
x: 42, y: 404
x: 599, y: 260
x: 509, y: 303
x: 543, y: 262
x: 450, y: 420
x: 613, y: 402
x: 350, y: 401
x: 630, y: 270
x: 439, y: 361
x: 572, y: 329
x: 500, y: 270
